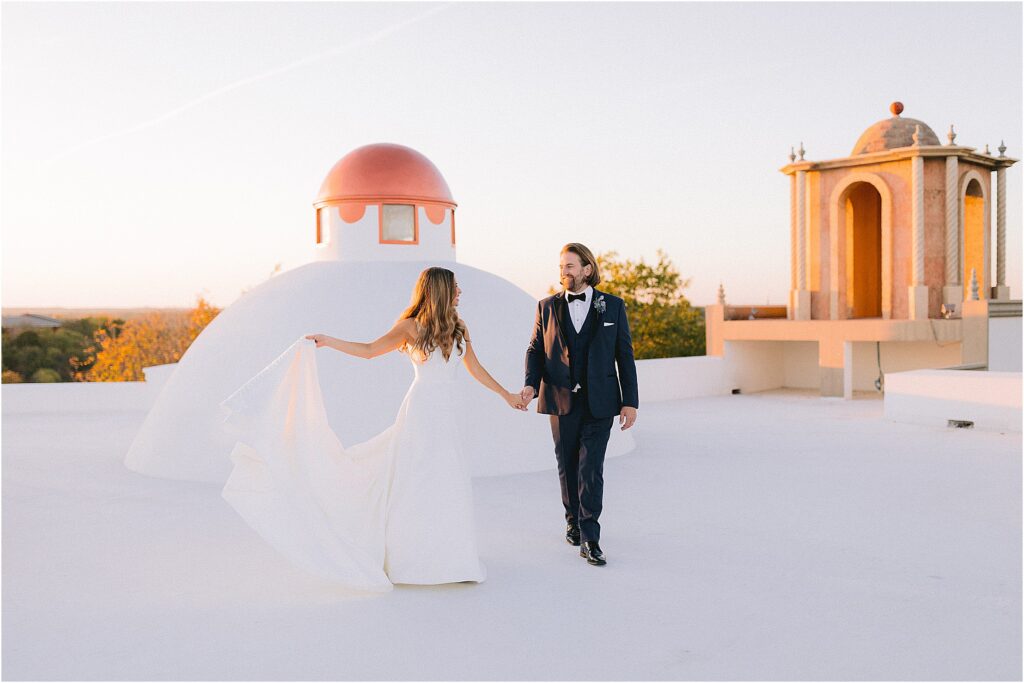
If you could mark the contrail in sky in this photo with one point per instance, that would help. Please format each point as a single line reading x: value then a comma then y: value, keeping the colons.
x: 367, y: 40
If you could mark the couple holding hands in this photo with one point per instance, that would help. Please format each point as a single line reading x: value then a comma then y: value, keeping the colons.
x: 398, y: 507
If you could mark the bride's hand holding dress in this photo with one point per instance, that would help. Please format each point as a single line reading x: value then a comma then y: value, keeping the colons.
x: 402, y: 333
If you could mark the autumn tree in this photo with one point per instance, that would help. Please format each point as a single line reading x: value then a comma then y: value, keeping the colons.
x: 152, y: 339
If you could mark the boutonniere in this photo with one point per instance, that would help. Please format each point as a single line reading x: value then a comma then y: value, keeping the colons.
x: 599, y: 304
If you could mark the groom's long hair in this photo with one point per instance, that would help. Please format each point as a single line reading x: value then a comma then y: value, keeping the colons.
x: 586, y: 259
x: 434, y: 311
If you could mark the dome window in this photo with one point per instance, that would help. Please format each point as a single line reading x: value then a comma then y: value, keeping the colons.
x: 323, y: 222
x: 398, y: 224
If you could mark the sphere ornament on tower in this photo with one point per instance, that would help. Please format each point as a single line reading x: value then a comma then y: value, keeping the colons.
x: 893, y: 133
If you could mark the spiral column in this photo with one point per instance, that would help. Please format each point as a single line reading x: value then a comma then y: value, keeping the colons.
x: 918, y: 298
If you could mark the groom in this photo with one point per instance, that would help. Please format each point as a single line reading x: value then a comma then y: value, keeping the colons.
x: 579, y: 336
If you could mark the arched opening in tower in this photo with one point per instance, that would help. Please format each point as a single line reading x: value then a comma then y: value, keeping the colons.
x: 864, y: 251
x: 974, y: 239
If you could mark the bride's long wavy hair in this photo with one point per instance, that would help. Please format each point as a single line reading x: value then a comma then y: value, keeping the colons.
x: 432, y: 306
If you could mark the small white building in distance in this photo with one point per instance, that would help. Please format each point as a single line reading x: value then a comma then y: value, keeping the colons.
x: 30, y: 321
x: 383, y: 214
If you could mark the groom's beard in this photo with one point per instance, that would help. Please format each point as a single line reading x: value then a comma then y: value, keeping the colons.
x: 569, y: 282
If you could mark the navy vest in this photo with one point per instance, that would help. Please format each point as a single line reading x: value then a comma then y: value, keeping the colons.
x: 579, y: 347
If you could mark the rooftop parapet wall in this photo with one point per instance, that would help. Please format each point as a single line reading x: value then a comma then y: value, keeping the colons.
x: 660, y: 379
x: 990, y: 400
x: 910, y: 344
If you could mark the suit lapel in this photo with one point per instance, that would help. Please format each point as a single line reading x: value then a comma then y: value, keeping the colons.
x: 560, y: 310
x: 598, y: 321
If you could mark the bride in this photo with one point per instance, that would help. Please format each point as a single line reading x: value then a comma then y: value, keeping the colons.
x: 396, y: 508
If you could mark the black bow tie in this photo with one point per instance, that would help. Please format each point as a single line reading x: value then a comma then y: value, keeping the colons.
x: 582, y: 297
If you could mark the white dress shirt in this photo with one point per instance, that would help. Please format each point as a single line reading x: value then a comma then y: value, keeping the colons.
x: 578, y: 309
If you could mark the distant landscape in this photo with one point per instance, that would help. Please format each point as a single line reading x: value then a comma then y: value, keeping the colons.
x: 116, y: 344
x: 75, y: 313
x: 111, y: 344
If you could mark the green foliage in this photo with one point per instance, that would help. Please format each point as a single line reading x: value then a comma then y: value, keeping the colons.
x: 25, y: 352
x: 662, y: 322
x: 45, y: 375
x: 26, y: 339
x: 88, y: 326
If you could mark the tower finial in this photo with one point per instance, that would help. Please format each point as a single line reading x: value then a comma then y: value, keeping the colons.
x: 896, y: 108
x: 951, y: 134
x: 802, y: 151
x: 792, y: 156
x: 1002, y: 148
x: 986, y: 150
x: 721, y: 294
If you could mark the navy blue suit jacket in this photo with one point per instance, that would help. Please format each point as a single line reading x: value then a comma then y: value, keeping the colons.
x: 547, y: 358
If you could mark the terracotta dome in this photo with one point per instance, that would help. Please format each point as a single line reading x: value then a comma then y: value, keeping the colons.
x: 892, y: 133
x: 384, y: 171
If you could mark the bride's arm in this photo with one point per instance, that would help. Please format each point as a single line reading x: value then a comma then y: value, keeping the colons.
x: 481, y: 375
x: 394, y: 338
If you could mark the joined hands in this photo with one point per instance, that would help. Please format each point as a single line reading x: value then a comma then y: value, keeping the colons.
x: 516, y: 401
x: 520, y: 401
x: 627, y: 416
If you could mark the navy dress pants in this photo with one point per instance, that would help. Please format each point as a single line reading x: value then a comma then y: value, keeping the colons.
x: 580, y: 443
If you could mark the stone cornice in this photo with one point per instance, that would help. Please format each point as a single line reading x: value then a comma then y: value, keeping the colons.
x: 964, y: 153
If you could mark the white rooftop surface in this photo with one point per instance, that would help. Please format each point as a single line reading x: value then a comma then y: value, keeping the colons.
x: 767, y: 536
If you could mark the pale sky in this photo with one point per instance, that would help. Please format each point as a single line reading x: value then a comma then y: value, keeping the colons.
x: 155, y: 151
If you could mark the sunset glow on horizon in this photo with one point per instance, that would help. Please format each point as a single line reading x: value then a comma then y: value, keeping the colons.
x: 156, y: 151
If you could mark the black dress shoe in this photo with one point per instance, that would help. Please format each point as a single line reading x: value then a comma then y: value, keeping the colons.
x: 592, y: 551
x: 572, y: 534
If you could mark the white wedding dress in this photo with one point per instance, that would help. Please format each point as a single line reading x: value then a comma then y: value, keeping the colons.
x: 396, y: 508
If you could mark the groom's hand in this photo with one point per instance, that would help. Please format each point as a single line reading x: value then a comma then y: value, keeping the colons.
x: 527, y: 394
x: 515, y: 400
x: 627, y: 416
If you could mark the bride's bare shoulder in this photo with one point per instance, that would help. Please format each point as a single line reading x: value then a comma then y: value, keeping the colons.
x: 407, y: 328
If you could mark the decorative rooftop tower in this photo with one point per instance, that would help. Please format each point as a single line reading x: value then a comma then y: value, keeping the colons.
x: 895, y: 229
x: 890, y: 267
